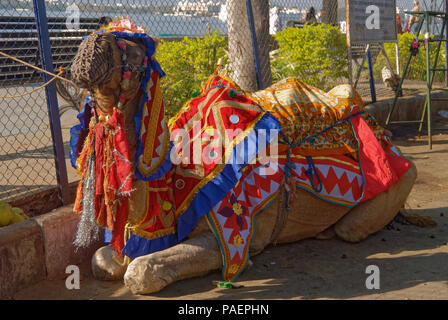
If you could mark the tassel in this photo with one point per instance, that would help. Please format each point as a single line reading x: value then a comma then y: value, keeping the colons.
x: 87, y: 228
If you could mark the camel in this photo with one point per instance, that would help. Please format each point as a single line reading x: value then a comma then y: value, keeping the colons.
x: 308, y: 215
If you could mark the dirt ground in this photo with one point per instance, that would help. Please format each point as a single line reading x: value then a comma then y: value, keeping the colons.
x: 413, y: 261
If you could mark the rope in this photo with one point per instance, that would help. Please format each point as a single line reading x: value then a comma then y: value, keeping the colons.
x: 311, y: 171
x: 35, y: 67
x: 34, y: 90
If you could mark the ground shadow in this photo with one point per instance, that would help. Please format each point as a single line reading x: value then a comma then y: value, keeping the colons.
x: 406, y: 255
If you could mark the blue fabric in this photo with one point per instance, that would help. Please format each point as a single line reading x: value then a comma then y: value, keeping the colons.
x: 137, y: 246
x: 107, y: 236
x: 209, y: 195
x: 74, y: 136
x: 161, y: 170
x: 75, y: 132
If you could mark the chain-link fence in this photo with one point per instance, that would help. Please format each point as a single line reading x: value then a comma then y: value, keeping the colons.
x: 27, y: 163
x: 26, y: 153
x: 193, y: 36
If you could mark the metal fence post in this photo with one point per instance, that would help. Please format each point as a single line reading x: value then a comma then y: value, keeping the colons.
x: 372, y: 79
x: 446, y: 45
x: 250, y: 16
x: 52, y: 101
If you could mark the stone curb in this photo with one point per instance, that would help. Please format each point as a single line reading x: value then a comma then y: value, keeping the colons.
x: 40, y: 248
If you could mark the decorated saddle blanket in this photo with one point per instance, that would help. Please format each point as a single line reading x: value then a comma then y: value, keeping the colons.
x: 348, y: 159
x: 338, y: 179
x: 304, y: 111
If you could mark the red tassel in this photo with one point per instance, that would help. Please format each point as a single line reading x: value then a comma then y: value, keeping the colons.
x: 121, y: 218
x: 120, y: 179
x: 99, y: 174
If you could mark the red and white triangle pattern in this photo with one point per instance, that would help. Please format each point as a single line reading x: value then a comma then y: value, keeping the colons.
x: 342, y: 182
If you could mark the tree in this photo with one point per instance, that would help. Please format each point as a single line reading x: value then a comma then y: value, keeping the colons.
x: 241, y: 53
x: 329, y: 11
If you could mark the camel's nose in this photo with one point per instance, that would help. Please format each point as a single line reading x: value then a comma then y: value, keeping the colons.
x: 94, y: 60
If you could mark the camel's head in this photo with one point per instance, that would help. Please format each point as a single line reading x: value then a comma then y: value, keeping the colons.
x: 109, y: 66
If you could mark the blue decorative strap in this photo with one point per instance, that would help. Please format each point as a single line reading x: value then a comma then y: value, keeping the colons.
x: 310, y: 172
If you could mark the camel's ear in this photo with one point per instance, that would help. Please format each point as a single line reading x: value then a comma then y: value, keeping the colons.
x: 135, y: 52
x: 156, y: 41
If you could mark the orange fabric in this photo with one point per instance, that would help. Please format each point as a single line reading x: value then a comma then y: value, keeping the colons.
x: 304, y: 110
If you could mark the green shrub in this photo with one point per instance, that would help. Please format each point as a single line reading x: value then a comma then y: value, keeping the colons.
x: 316, y: 55
x: 417, y: 68
x: 188, y: 64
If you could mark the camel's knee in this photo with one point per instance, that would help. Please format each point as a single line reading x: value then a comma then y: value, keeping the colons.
x: 145, y: 275
x: 106, y: 265
x: 153, y: 272
x: 374, y: 214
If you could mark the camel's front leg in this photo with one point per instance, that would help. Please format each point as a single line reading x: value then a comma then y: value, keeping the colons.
x: 192, y: 258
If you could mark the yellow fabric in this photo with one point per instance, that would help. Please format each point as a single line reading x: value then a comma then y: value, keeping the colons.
x: 304, y: 110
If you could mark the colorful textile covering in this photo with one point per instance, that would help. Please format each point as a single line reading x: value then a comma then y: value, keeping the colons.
x: 153, y: 144
x: 324, y: 167
x: 380, y: 169
x: 207, y: 177
x: 304, y: 110
x: 233, y: 217
x: 340, y: 177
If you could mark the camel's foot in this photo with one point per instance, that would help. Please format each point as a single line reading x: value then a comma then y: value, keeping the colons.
x: 374, y: 214
x: 106, y: 265
x: 194, y: 257
x: 326, y: 234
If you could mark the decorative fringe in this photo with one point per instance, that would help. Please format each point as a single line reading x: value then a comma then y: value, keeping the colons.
x: 88, y: 230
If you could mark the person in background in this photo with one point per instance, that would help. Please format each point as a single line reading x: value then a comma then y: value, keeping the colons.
x: 310, y: 17
x: 414, y: 21
x: 275, y: 23
x: 399, y: 22
x: 104, y: 21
